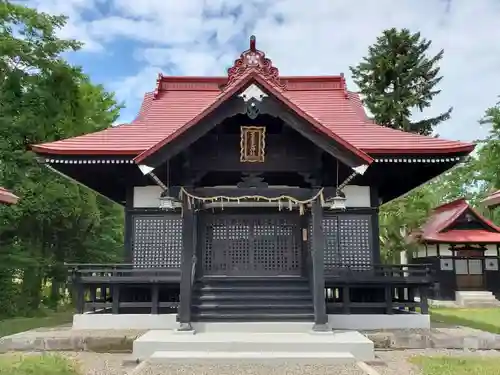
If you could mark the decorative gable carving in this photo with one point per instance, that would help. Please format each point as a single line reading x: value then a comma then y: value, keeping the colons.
x: 253, y: 59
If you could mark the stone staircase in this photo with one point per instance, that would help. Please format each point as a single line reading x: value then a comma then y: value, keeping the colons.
x: 241, y: 299
x: 476, y: 299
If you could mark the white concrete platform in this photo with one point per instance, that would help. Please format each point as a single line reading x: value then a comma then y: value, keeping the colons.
x: 369, y: 322
x: 89, y: 321
x: 274, y: 358
x: 239, y: 342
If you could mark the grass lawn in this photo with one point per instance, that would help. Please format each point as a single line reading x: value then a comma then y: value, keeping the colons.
x: 43, y: 364
x: 486, y: 319
x: 50, y: 319
x: 458, y: 366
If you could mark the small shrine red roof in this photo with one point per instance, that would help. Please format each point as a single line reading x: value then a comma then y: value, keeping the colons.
x: 7, y: 197
x: 436, y: 229
x: 179, y: 102
x: 492, y: 200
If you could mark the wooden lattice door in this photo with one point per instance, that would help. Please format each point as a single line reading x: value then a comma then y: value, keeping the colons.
x: 250, y: 245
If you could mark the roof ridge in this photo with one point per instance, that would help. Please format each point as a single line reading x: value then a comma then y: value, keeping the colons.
x: 450, y: 204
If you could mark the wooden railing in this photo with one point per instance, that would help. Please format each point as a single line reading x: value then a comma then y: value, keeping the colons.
x: 121, y: 288
x: 383, y: 289
x: 390, y: 273
x: 121, y: 273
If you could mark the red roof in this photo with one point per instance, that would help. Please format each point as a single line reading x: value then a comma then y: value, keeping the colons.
x: 254, y: 76
x: 492, y: 200
x: 7, y: 197
x: 444, y: 216
x: 179, y: 102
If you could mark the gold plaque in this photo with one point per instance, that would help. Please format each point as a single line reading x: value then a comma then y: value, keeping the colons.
x: 253, y: 144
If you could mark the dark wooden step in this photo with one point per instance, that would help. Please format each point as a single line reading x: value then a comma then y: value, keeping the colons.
x: 236, y: 279
x: 252, y: 289
x: 254, y: 305
x: 281, y: 297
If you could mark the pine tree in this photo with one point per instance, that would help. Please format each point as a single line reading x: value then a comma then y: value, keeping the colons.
x: 398, y: 77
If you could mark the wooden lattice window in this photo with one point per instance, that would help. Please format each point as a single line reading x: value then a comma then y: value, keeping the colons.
x: 347, y: 241
x: 355, y: 240
x: 157, y: 241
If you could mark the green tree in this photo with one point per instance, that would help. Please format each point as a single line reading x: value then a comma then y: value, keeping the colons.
x: 397, y: 78
x: 43, y: 98
x: 404, y: 215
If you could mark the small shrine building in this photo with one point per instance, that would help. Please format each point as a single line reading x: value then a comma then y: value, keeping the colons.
x: 463, y: 248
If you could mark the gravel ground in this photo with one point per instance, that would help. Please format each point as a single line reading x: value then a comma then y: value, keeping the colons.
x: 101, y: 363
x: 386, y: 363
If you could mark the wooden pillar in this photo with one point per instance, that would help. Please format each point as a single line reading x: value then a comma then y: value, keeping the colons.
x: 375, y: 225
x: 346, y: 296
x: 187, y: 259
x: 115, y: 309
x: 93, y: 295
x: 424, y: 302
x: 80, y: 295
x: 318, y: 268
x: 128, y: 229
x: 411, y: 297
x: 155, y: 300
x: 388, y: 300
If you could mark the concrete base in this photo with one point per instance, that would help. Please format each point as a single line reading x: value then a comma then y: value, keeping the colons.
x: 168, y: 321
x: 124, y: 321
x: 260, y: 358
x: 378, y: 321
x: 237, y: 342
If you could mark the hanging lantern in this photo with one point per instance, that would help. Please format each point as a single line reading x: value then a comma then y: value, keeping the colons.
x: 167, y: 202
x: 337, y: 202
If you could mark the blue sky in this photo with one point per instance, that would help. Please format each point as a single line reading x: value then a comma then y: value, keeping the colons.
x: 128, y: 42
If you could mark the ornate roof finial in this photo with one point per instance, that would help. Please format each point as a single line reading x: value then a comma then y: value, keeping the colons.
x: 253, y: 59
x: 252, y: 43
x: 343, y: 82
x: 156, y: 92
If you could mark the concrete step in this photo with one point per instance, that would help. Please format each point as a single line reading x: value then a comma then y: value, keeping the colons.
x: 274, y: 358
x: 253, y: 327
x: 480, y: 303
x: 473, y: 292
x: 169, y: 341
x: 477, y: 298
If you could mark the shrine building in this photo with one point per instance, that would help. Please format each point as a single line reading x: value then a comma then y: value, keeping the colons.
x: 463, y: 248
x: 251, y: 197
